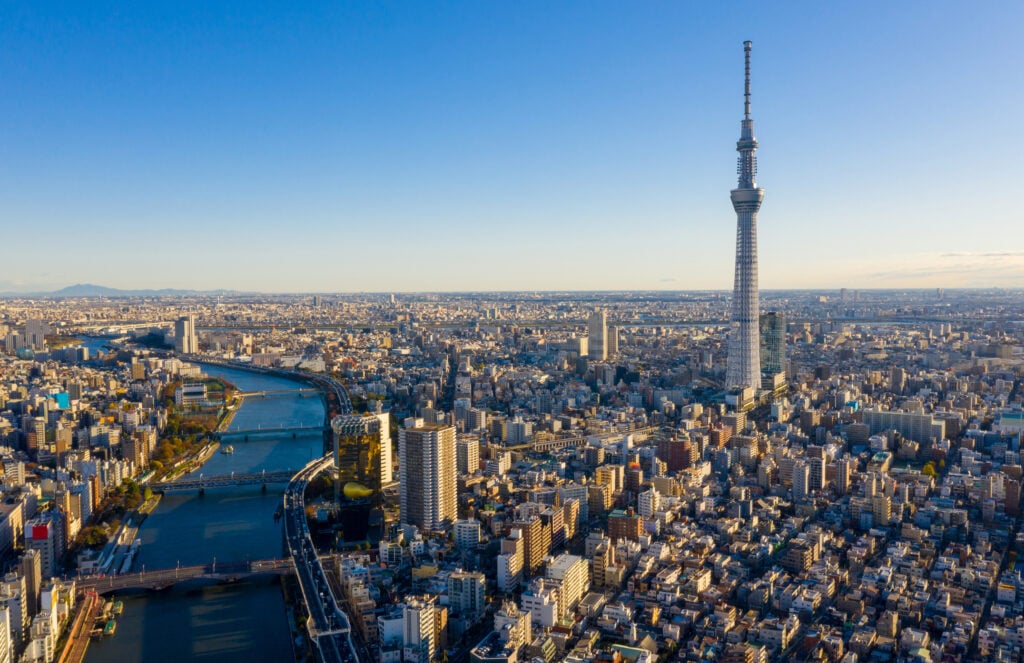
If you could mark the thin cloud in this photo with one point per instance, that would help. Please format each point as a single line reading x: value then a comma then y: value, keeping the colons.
x: 993, y: 254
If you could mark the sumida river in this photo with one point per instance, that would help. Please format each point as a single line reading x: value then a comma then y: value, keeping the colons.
x: 242, y: 622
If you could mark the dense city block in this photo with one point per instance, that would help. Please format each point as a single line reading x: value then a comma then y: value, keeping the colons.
x: 553, y: 476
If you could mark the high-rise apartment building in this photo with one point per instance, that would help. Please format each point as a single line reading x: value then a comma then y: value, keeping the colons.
x: 801, y: 479
x: 573, y: 574
x: 185, y: 340
x: 419, y: 629
x: 468, y: 454
x: 597, y: 331
x: 510, y: 561
x: 536, y: 543
x: 41, y: 534
x: 466, y: 594
x: 428, y: 471
x: 32, y: 571
x: 648, y: 503
x: 467, y: 533
x: 743, y: 366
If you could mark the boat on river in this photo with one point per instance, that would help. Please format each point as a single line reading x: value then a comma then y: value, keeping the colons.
x: 227, y: 450
x: 110, y: 627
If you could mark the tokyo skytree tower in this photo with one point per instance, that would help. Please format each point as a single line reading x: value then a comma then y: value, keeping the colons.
x: 743, y: 367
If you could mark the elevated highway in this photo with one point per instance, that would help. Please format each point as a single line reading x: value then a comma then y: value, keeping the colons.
x: 328, y: 626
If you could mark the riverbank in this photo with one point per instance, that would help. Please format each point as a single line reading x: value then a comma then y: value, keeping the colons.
x: 193, y: 462
x: 122, y: 548
x: 229, y: 413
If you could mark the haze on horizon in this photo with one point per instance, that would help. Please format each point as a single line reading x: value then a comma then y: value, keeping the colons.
x: 527, y: 146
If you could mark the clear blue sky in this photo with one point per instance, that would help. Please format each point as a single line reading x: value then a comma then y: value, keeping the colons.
x: 506, y: 145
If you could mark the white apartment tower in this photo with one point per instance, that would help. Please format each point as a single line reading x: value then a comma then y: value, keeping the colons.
x: 573, y: 573
x: 468, y: 451
x: 428, y: 472
x: 510, y: 561
x: 419, y: 629
x: 185, y: 341
x: 743, y: 366
x: 648, y: 503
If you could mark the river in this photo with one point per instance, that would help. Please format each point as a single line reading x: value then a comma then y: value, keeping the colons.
x: 220, y: 623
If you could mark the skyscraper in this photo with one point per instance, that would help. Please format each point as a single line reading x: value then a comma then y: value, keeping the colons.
x: 773, y: 343
x: 743, y: 367
x: 597, y: 331
x: 428, y: 472
x: 185, y: 341
x: 362, y: 454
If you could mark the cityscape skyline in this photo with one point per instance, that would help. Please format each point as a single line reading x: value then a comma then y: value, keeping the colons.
x: 228, y: 136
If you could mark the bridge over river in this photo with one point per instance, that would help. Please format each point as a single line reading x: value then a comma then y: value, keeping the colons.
x: 280, y: 393
x: 162, y: 578
x: 270, y: 430
x: 222, y: 481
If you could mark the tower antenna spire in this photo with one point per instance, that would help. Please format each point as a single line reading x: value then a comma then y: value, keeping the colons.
x: 746, y: 84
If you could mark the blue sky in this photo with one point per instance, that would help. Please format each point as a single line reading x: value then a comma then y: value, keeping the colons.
x: 505, y: 146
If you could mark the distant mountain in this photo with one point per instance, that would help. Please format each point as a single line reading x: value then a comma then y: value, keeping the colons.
x: 92, y: 290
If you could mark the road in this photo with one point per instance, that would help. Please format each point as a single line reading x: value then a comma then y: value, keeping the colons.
x: 329, y: 626
x: 78, y: 638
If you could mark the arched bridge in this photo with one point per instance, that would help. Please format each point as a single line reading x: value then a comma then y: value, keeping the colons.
x: 202, y: 482
x: 161, y: 578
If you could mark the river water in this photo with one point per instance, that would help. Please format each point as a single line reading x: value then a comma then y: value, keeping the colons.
x: 246, y: 621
